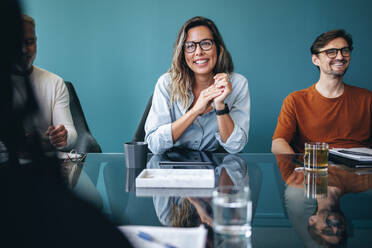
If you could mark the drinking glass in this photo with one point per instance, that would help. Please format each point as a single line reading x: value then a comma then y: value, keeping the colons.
x: 232, y: 210
x: 316, y: 156
x: 315, y: 184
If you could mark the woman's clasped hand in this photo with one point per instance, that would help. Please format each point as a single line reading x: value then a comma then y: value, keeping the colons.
x: 215, y: 93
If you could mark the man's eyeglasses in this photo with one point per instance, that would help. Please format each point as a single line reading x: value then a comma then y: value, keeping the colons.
x: 333, y: 223
x: 332, y: 52
x: 205, y: 45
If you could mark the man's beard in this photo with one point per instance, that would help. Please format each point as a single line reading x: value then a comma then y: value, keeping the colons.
x: 338, y: 73
x: 22, y: 66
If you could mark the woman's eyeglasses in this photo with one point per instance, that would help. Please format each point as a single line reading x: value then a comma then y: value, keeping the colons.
x: 205, y: 45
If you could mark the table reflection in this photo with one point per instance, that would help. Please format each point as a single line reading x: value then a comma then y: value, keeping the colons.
x: 282, y: 214
x: 319, y: 220
x: 181, y: 210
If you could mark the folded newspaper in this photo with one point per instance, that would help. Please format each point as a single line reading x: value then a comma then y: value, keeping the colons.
x: 359, y: 153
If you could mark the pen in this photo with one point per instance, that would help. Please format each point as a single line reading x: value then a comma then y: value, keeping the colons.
x: 149, y: 238
x: 355, y: 153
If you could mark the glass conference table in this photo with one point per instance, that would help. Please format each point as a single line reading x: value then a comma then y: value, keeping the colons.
x: 283, y: 216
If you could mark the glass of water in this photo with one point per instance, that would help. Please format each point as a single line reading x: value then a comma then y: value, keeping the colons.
x: 232, y: 210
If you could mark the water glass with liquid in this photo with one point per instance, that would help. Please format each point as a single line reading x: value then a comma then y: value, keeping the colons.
x: 232, y: 210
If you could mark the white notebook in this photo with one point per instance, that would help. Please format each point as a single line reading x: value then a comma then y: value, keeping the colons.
x: 194, y: 237
x: 358, y: 153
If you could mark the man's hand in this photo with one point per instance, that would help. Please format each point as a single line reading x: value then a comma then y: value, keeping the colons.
x: 296, y: 179
x: 281, y: 146
x: 57, y: 135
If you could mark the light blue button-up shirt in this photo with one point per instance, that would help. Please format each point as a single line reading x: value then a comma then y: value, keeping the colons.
x: 203, y: 133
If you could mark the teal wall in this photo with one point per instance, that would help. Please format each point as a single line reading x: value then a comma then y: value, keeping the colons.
x: 115, y: 50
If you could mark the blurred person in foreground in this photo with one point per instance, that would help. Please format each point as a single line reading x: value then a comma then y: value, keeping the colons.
x: 37, y: 209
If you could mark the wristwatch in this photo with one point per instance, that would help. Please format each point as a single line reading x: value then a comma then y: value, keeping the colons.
x: 224, y: 111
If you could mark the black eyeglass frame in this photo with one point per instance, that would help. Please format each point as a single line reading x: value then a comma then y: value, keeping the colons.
x: 328, y: 230
x: 196, y: 45
x: 342, y: 50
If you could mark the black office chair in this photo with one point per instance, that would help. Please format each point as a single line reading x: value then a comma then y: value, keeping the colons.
x: 85, y: 141
x: 139, y: 135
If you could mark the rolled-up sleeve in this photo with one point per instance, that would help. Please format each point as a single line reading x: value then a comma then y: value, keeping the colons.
x: 158, y: 123
x: 240, y: 114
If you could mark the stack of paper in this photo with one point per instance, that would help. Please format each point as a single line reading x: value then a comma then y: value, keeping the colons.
x: 165, y: 236
x: 356, y: 157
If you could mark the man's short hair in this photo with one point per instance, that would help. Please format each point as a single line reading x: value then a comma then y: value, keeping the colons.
x: 315, y: 235
x: 28, y: 19
x: 323, y: 39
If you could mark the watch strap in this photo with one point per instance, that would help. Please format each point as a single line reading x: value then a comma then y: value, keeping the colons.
x: 224, y: 111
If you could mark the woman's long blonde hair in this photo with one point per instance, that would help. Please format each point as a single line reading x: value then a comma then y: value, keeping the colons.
x: 182, y: 76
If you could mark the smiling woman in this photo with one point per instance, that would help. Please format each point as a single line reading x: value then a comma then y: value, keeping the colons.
x: 200, y: 79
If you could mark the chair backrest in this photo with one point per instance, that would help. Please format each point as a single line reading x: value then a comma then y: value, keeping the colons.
x: 85, y: 142
x: 139, y: 135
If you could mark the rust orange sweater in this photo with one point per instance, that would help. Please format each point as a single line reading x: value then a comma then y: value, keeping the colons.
x: 345, y: 121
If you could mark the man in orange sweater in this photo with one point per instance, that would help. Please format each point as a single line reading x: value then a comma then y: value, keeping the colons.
x: 329, y: 111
